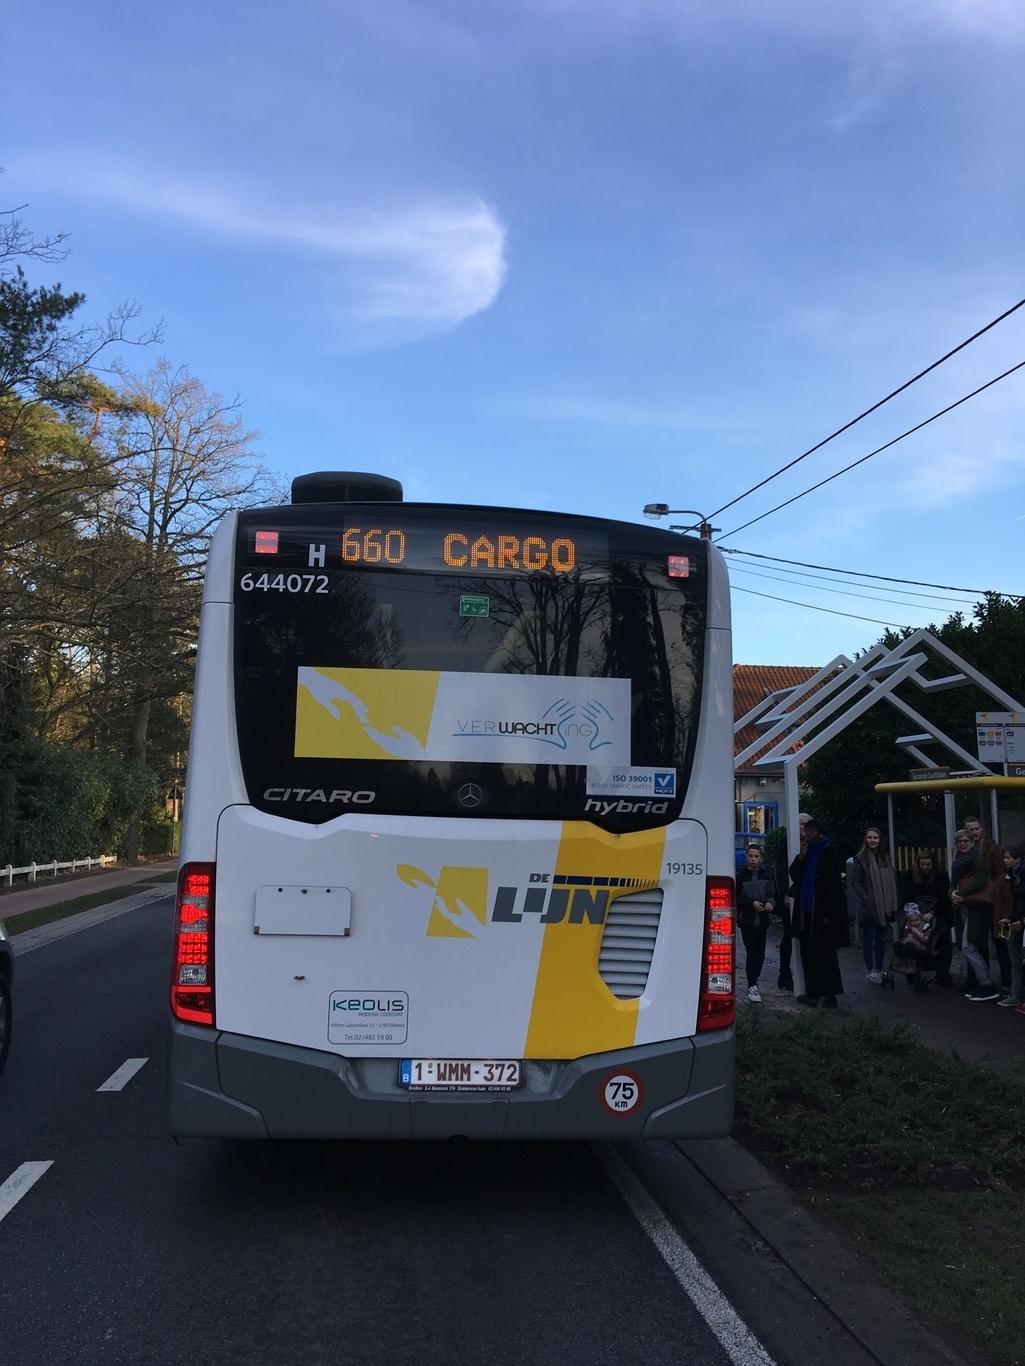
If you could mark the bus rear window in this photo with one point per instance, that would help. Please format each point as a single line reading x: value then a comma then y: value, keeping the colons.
x: 430, y: 691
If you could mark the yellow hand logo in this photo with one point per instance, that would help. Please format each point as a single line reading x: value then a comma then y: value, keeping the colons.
x: 460, y: 904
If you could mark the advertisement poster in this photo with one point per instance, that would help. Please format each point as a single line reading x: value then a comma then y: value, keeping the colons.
x: 461, y: 717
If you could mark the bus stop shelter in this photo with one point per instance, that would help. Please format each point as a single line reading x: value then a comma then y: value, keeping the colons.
x: 796, y: 722
x: 920, y: 807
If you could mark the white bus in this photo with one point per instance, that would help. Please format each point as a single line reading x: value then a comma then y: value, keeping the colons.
x: 458, y: 845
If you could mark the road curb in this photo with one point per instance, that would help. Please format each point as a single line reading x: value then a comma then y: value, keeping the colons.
x: 819, y: 1256
x: 38, y: 938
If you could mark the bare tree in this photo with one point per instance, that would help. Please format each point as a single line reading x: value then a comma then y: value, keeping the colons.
x: 18, y: 243
x: 184, y: 458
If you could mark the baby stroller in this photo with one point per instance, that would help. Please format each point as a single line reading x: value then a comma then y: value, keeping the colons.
x: 916, y: 935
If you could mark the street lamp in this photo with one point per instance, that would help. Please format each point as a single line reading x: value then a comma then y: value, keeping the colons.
x: 702, y: 525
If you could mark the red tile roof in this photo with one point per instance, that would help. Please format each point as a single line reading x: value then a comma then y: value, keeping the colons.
x: 751, y: 682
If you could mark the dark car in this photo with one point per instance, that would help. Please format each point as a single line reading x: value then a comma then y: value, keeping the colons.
x: 6, y: 1009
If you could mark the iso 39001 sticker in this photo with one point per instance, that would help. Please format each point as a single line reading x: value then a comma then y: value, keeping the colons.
x: 622, y: 1092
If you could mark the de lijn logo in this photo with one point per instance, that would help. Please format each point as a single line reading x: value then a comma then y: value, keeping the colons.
x: 460, y: 906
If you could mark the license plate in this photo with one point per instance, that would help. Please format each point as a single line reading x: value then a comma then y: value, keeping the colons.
x: 459, y: 1074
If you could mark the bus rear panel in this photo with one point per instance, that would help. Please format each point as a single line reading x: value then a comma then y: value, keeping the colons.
x: 458, y: 838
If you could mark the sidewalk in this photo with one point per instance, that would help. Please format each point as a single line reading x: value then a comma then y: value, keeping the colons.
x: 56, y: 890
x: 946, y: 1021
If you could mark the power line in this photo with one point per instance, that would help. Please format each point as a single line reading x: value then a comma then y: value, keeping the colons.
x: 869, y: 587
x: 844, y: 593
x: 878, y: 450
x: 900, y: 625
x: 864, y: 574
x: 868, y: 411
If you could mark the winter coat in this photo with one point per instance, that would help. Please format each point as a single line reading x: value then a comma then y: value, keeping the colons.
x: 979, y: 917
x: 1009, y: 902
x: 1017, y: 876
x: 992, y: 857
x: 935, y: 890
x: 861, y: 900
x: 754, y: 884
x: 826, y: 920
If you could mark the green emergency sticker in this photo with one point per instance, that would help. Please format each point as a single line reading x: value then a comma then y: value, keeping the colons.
x: 473, y: 605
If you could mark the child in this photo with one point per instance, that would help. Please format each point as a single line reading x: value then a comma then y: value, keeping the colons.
x: 915, y: 942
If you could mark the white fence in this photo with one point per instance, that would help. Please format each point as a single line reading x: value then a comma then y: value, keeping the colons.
x: 8, y: 874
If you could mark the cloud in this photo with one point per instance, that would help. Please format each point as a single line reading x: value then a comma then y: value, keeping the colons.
x: 432, y: 263
x: 623, y: 412
x: 989, y: 470
x: 993, y: 21
x: 868, y: 85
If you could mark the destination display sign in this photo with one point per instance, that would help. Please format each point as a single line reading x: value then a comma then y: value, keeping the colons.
x: 511, y: 547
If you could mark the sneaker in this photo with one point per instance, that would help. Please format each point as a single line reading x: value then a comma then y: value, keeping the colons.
x: 1020, y: 1010
x: 983, y: 994
x: 753, y: 994
x: 786, y: 982
x: 1010, y: 1002
x: 875, y: 976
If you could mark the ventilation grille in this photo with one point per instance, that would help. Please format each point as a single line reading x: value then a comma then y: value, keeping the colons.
x: 628, y: 943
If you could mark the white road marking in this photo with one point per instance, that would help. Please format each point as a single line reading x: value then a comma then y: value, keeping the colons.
x: 733, y: 1334
x: 118, y: 1080
x: 19, y: 1183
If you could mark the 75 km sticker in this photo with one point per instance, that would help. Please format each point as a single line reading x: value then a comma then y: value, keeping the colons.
x: 622, y: 1092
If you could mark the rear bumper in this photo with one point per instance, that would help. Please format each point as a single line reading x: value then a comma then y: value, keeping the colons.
x: 228, y: 1086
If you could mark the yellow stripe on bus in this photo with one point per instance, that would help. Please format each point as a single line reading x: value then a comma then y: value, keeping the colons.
x: 573, y: 1012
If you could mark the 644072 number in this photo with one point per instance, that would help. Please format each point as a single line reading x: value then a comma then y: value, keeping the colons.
x: 283, y: 583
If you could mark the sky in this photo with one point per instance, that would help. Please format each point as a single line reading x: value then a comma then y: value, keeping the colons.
x: 579, y: 255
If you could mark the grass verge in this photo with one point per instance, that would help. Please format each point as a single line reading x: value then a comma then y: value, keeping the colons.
x: 917, y: 1156
x: 44, y: 915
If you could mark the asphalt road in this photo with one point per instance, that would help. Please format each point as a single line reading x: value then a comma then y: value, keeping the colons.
x: 119, y: 1245
x: 132, y: 1248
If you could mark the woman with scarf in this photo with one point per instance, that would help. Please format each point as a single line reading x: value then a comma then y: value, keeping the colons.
x: 969, y: 877
x: 820, y: 917
x: 929, y: 888
x: 872, y: 895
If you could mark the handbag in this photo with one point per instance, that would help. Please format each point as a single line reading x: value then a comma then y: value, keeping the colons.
x: 985, y: 896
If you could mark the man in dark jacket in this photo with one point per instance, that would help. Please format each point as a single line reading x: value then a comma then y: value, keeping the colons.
x: 1014, y: 864
x: 993, y: 858
x: 784, y: 908
x: 819, y: 916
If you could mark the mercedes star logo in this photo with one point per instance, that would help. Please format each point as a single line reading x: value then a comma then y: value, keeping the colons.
x: 470, y: 795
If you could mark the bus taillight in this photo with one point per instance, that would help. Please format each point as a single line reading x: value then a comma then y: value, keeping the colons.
x: 716, y: 1005
x: 192, y: 985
